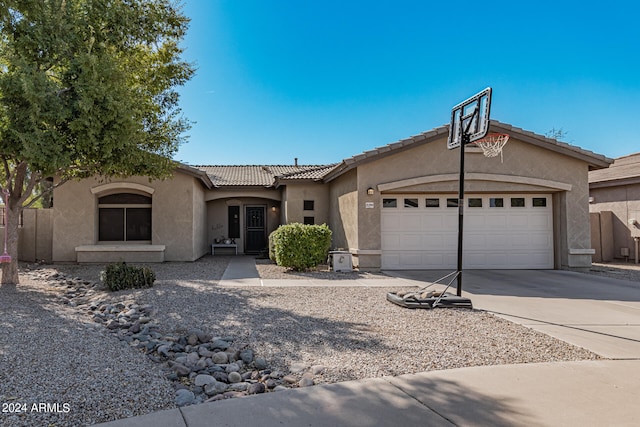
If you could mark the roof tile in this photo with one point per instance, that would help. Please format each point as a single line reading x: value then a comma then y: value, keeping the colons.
x: 260, y: 175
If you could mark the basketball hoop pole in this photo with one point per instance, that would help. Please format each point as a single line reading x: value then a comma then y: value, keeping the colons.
x: 465, y: 138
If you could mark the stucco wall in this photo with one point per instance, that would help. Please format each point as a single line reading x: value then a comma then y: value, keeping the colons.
x: 624, y: 203
x: 294, y: 196
x: 75, y: 215
x: 343, y: 208
x: 35, y: 235
x: 200, y: 234
x: 525, y: 167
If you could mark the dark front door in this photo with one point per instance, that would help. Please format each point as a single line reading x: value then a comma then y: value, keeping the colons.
x: 256, y: 229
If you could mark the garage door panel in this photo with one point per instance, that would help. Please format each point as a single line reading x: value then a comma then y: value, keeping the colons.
x: 412, y: 241
x: 540, y: 221
x: 540, y: 240
x: 494, y: 237
x: 497, y: 240
x: 520, y: 240
x: 432, y: 222
x: 517, y: 221
x: 475, y: 241
x: 495, y: 221
x: 392, y: 241
x: 475, y: 221
x: 412, y: 221
x: 391, y: 222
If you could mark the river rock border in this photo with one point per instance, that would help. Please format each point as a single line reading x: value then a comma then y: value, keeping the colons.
x: 202, y: 367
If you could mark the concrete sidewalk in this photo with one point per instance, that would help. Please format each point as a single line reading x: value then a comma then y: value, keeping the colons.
x: 602, y: 315
x: 591, y: 393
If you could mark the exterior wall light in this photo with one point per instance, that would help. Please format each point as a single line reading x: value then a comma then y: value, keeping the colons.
x: 370, y: 191
x: 273, y: 208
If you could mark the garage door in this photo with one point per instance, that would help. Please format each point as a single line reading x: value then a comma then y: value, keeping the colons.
x: 503, y: 231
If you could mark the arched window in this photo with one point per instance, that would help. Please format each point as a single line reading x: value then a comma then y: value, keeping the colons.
x: 124, y: 217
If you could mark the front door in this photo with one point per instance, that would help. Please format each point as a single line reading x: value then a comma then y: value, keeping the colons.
x: 256, y: 229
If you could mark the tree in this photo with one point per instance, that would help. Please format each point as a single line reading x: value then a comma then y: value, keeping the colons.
x: 557, y: 134
x: 87, y: 87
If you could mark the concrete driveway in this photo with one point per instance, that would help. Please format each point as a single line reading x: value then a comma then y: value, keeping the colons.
x: 597, y: 313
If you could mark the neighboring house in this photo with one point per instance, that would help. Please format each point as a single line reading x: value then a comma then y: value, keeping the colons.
x: 393, y: 207
x: 614, y: 204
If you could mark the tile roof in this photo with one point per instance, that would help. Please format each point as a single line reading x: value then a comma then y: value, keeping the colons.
x: 623, y: 168
x: 261, y: 175
x: 313, y: 173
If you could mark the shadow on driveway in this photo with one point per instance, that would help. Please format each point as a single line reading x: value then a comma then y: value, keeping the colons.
x: 534, y: 283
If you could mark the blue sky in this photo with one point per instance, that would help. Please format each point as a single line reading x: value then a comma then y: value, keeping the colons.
x: 326, y: 80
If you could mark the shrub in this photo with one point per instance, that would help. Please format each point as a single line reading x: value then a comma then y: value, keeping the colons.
x: 300, y: 246
x: 119, y: 276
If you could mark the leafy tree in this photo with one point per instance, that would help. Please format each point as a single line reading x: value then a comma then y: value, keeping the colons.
x: 87, y: 87
x: 557, y: 134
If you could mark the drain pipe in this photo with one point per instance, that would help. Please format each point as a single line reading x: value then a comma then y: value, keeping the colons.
x: 636, y: 240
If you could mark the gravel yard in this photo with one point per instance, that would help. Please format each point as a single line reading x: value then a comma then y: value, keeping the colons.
x: 54, y: 353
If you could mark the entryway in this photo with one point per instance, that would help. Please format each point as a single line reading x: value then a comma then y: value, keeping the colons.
x: 255, y: 229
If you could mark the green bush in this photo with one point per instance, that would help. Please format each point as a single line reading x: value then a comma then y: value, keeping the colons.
x: 119, y: 276
x: 300, y: 246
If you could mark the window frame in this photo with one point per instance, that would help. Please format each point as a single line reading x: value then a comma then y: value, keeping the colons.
x: 125, y: 209
x: 411, y: 202
x: 389, y: 203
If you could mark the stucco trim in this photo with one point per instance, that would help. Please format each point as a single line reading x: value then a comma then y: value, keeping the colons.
x: 554, y: 185
x: 573, y: 251
x: 120, y: 186
x: 120, y: 248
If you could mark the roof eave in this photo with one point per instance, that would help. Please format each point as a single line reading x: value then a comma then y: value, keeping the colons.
x: 615, y: 182
x: 196, y: 173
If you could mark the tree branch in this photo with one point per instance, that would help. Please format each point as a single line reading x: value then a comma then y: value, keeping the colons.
x: 47, y: 191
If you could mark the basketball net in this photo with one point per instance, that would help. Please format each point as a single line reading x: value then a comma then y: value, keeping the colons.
x: 492, y: 144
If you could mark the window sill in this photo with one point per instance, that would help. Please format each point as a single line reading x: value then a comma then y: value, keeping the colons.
x: 117, y: 253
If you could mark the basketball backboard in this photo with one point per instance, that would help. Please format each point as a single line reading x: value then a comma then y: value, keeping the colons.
x: 470, y: 117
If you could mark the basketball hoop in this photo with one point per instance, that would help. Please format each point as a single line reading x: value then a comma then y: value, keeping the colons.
x: 492, y: 144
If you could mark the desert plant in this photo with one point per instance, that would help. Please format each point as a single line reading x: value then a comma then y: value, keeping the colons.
x: 119, y: 276
x: 300, y: 246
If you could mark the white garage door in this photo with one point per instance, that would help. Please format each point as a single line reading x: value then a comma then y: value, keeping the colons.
x: 503, y: 231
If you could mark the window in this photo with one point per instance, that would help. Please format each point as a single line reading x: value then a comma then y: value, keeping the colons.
x: 389, y: 203
x: 496, y: 202
x: 539, y: 202
x: 517, y: 202
x: 410, y: 203
x: 124, y: 217
x: 452, y: 203
x: 233, y: 216
x: 309, y: 220
x: 433, y: 203
x: 308, y: 205
x: 475, y: 203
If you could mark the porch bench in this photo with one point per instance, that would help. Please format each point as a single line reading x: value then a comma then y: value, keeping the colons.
x: 117, y: 253
x: 233, y: 246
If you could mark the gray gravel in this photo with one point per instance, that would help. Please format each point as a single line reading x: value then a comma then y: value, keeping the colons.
x: 53, y: 353
x: 50, y: 355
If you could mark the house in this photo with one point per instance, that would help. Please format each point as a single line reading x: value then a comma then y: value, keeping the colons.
x: 394, y: 207
x: 614, y: 204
